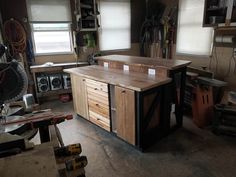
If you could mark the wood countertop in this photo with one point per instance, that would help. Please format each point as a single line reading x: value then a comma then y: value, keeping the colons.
x: 131, y: 80
x: 146, y: 61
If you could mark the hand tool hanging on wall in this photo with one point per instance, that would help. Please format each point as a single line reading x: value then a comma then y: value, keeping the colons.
x: 20, y: 48
x: 149, y: 36
x: 15, y: 36
x: 161, y: 21
x: 168, y: 21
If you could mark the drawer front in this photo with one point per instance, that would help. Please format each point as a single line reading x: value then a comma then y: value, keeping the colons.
x: 97, y: 95
x: 97, y: 86
x: 98, y: 98
x: 99, y: 108
x: 99, y: 120
x: 98, y: 103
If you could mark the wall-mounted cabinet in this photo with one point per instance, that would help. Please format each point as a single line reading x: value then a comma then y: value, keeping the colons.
x: 219, y: 13
x: 86, y: 16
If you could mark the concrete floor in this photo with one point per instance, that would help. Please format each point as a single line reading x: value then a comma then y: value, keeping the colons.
x: 189, y: 152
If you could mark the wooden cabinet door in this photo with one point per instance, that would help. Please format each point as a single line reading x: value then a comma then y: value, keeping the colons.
x: 125, y: 111
x: 79, y: 96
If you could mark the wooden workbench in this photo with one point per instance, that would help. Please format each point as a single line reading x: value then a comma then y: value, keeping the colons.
x: 175, y: 69
x: 39, y: 162
x: 130, y: 80
x: 132, y: 105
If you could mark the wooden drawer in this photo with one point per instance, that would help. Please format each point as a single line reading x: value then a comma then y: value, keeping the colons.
x: 98, y: 103
x: 98, y: 99
x: 99, y: 108
x: 99, y: 120
x: 96, y: 92
x: 97, y: 86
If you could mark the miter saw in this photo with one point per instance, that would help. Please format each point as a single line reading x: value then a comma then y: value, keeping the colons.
x: 13, y: 80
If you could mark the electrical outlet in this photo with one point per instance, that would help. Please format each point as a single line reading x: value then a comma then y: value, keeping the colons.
x: 106, y: 65
x: 234, y: 52
x: 125, y: 67
x: 151, y: 71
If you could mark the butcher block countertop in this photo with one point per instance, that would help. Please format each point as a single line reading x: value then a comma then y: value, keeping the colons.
x: 170, y: 64
x: 127, y: 79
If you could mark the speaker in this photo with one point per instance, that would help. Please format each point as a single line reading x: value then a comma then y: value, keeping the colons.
x: 66, y: 81
x: 55, y: 81
x: 43, y: 83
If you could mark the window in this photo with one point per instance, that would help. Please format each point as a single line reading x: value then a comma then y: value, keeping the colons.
x: 192, y: 38
x: 52, y: 38
x: 50, y: 24
x: 114, y: 33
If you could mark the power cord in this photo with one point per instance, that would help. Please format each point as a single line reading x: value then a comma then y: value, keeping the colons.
x: 232, y: 59
x: 213, y: 59
x: 15, y: 35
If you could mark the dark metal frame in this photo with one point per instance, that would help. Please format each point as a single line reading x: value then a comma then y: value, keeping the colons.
x: 144, y: 137
x: 179, y: 106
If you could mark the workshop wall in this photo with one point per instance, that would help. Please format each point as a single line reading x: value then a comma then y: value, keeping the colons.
x: 17, y: 10
x: 223, y: 55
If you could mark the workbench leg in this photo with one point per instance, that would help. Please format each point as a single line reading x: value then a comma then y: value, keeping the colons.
x: 166, y: 109
x: 44, y: 134
x: 180, y: 109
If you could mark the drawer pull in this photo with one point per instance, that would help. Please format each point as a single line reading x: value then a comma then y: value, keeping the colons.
x: 95, y: 88
x: 97, y: 104
x: 123, y: 91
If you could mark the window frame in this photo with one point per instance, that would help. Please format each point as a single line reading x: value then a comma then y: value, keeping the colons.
x: 99, y: 31
x: 51, y: 53
x: 193, y: 54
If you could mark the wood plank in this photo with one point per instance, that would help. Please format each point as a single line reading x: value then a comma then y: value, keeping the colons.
x: 147, y: 102
x: 131, y: 80
x: 125, y: 114
x: 171, y: 64
x: 79, y: 96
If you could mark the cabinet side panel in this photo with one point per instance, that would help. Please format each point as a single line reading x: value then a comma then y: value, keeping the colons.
x: 79, y: 96
x: 125, y: 110
x: 74, y: 94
